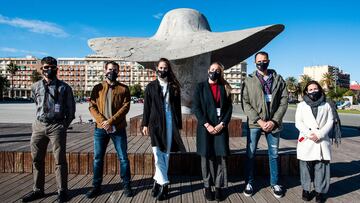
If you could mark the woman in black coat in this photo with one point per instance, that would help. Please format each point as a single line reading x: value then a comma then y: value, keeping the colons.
x: 162, y: 121
x: 213, y: 108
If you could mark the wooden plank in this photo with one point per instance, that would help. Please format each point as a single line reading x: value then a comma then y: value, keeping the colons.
x: 19, y: 162
x: 9, y: 162
x: 73, y: 163
x: 28, y: 168
x: 186, y: 190
x: 197, y: 188
x: 77, y: 194
x: 84, y: 163
x: 2, y: 161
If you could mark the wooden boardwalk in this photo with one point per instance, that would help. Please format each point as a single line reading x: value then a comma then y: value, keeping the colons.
x: 345, y: 170
x: 183, y: 189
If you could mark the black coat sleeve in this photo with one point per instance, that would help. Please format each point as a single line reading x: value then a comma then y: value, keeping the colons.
x: 196, y: 105
x: 227, y: 115
x: 177, y: 103
x: 147, y: 107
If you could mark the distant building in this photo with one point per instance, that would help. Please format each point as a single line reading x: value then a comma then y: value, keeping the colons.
x: 73, y: 72
x: 22, y: 78
x: 235, y: 76
x: 316, y: 72
x: 130, y: 73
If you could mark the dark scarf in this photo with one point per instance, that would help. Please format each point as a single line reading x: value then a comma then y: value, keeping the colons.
x: 314, y: 104
x: 266, y: 84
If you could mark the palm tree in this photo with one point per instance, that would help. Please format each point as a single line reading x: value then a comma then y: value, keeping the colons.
x: 292, y: 87
x: 327, y: 81
x: 35, y: 76
x: 304, y: 79
x: 12, y: 69
x: 4, y: 84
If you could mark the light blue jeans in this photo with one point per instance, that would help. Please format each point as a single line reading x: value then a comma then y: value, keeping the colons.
x: 162, y: 158
x: 273, y: 147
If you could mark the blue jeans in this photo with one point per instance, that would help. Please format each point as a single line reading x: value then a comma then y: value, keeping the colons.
x: 273, y: 146
x: 101, y: 140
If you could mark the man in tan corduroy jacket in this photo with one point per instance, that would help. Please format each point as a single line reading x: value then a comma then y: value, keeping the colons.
x: 109, y: 104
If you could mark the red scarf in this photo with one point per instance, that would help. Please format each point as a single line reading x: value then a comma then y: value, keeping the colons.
x: 215, y: 90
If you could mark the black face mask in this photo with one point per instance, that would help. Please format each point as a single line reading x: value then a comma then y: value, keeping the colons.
x: 262, y: 66
x: 214, y: 75
x: 314, y: 95
x: 50, y: 73
x: 112, y: 75
x: 162, y: 73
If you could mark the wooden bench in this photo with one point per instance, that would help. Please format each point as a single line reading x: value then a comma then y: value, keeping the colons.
x: 15, y: 156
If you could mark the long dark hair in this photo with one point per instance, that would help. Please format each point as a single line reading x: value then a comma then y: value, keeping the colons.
x: 312, y: 82
x: 173, y: 81
x: 222, y: 80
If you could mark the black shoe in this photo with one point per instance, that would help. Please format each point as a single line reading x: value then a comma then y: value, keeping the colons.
x: 163, y: 192
x: 209, y: 195
x: 319, y: 197
x: 155, y: 189
x: 128, y: 191
x: 93, y: 192
x: 34, y: 195
x: 218, y: 194
x: 62, y: 196
x: 277, y: 191
x: 306, y: 195
x: 249, y: 191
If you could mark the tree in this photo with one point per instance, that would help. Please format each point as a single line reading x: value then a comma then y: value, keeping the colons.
x: 4, y: 84
x: 292, y: 87
x: 327, y: 81
x: 135, y: 90
x: 304, y: 79
x: 336, y: 94
x: 35, y: 76
x: 12, y: 69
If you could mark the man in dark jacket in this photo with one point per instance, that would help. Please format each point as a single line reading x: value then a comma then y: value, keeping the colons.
x: 265, y: 101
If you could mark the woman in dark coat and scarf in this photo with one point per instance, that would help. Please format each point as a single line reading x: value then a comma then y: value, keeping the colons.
x: 213, y: 108
x: 162, y: 121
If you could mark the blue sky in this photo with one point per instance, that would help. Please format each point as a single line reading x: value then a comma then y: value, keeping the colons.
x: 317, y: 32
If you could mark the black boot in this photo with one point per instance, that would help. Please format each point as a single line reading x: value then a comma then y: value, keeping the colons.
x: 155, y: 189
x: 62, y: 196
x: 93, y: 192
x: 163, y: 192
x: 306, y: 195
x: 209, y: 195
x: 218, y: 194
x: 34, y: 195
x: 319, y: 197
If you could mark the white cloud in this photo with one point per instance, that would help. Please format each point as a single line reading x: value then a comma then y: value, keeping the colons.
x: 37, y: 26
x: 158, y: 16
x: 13, y: 50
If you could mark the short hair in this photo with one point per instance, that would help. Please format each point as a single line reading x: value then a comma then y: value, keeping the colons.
x: 49, y: 60
x: 113, y: 63
x: 262, y: 53
x: 312, y: 82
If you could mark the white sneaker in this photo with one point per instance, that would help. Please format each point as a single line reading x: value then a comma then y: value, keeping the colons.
x: 248, y: 192
x: 277, y: 191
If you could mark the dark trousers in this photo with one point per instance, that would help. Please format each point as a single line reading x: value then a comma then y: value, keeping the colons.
x: 42, y: 133
x: 214, y: 171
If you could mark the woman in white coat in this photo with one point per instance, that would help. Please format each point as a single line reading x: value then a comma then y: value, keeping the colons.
x: 314, y: 120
